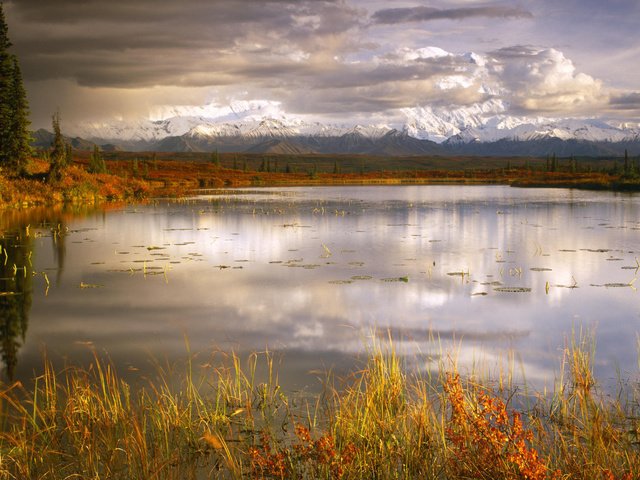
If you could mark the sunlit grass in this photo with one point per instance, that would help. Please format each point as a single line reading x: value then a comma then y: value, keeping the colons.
x: 232, y: 420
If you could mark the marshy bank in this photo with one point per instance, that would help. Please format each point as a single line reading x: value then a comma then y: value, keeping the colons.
x: 490, y: 273
x: 135, y: 176
x: 223, y: 420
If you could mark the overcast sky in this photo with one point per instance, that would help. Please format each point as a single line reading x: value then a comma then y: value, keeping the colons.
x: 97, y: 60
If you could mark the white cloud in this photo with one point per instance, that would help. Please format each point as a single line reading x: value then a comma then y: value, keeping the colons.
x: 543, y: 79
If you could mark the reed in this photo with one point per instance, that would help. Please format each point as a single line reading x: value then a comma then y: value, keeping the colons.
x: 232, y: 420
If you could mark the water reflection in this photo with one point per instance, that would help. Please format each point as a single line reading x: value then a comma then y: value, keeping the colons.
x: 478, y: 272
x: 15, y: 296
x: 20, y: 231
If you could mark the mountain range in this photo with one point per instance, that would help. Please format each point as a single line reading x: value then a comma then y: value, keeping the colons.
x: 262, y: 127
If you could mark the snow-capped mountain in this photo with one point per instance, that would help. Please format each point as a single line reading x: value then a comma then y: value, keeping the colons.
x: 243, y: 125
x: 486, y: 122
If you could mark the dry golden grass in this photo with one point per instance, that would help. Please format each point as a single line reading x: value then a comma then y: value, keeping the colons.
x: 382, y: 423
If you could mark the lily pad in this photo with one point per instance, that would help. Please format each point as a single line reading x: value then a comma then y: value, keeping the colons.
x: 456, y: 274
x: 512, y: 289
x: 396, y: 279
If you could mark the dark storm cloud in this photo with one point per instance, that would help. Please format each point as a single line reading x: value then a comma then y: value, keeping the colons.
x: 145, y: 43
x: 626, y: 101
x: 423, y: 14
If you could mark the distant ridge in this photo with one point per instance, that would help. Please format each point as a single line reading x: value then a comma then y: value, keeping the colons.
x: 262, y: 127
x: 392, y: 144
x: 44, y: 139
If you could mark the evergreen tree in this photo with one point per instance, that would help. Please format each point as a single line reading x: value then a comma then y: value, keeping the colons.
x: 68, y: 155
x: 627, y: 168
x: 58, y: 152
x: 554, y: 163
x: 20, y: 146
x: 14, y: 109
x: 6, y: 76
x: 96, y: 162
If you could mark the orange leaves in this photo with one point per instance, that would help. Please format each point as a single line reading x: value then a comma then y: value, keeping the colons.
x: 485, y: 440
x: 317, y: 457
x: 266, y: 463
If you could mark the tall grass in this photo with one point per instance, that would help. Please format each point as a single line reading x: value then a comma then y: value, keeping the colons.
x: 382, y: 422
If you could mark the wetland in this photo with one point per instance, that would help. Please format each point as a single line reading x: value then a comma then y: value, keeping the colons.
x: 494, y: 276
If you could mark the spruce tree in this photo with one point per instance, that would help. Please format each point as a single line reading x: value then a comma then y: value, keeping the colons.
x: 68, y: 155
x: 14, y: 110
x: 20, y: 145
x: 627, y: 167
x: 6, y: 76
x: 58, y: 152
x: 96, y: 162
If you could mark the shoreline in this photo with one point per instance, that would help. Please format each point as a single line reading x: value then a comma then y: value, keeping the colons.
x: 379, y: 422
x: 128, y: 182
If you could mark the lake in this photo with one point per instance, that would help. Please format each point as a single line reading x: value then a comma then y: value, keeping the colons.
x: 491, y: 276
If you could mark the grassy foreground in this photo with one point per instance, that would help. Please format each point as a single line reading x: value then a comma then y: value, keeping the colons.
x: 382, y: 423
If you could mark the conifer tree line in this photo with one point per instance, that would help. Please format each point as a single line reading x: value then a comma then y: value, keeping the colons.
x: 15, y: 138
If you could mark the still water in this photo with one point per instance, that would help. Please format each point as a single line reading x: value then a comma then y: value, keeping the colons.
x: 491, y: 276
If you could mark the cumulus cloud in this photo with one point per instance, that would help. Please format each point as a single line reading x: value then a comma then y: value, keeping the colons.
x: 425, y: 14
x: 544, y: 80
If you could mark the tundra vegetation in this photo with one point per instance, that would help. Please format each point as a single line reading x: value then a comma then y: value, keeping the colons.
x: 224, y: 420
x: 58, y: 175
